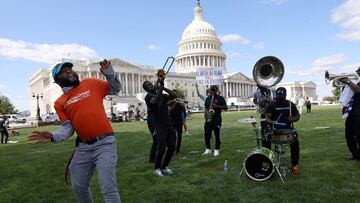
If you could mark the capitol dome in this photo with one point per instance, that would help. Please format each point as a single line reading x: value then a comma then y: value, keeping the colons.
x: 199, y: 46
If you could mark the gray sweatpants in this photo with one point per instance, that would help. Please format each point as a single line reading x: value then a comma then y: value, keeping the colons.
x: 103, y: 156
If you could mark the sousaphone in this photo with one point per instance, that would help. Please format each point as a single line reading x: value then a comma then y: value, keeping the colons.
x: 268, y: 71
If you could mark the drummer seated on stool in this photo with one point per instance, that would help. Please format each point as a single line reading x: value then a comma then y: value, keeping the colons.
x: 282, y: 113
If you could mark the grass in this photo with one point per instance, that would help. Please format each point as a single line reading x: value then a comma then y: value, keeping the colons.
x: 34, y: 173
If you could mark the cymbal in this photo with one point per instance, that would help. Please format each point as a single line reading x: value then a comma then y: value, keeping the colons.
x: 250, y: 120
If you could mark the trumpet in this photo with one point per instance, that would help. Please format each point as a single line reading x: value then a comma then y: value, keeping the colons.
x: 336, y: 78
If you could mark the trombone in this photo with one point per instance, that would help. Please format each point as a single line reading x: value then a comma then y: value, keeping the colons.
x: 161, y: 72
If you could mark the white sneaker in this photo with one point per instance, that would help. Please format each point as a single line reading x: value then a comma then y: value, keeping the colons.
x: 167, y: 171
x: 157, y: 172
x: 207, y: 152
x: 216, y: 152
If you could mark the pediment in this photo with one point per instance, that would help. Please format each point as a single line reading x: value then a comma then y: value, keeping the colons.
x: 237, y: 76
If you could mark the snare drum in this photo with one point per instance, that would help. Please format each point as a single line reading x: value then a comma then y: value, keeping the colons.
x: 283, y: 136
x: 259, y: 164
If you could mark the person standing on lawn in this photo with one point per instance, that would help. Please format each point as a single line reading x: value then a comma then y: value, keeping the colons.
x: 81, y: 109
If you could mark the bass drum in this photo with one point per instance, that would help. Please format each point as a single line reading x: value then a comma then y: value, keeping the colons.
x: 259, y: 164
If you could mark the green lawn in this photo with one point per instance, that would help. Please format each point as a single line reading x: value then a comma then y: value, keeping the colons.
x: 34, y: 173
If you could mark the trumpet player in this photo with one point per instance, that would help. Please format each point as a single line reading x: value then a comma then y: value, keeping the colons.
x: 352, y: 128
x: 214, y: 104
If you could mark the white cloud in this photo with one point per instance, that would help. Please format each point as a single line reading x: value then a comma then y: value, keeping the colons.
x: 328, y: 62
x: 319, y: 66
x: 46, y: 53
x: 347, y: 15
x: 234, y: 38
x: 259, y: 46
x: 153, y: 47
x: 234, y: 54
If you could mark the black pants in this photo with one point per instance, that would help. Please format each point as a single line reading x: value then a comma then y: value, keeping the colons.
x: 166, y: 141
x: 179, y: 130
x: 352, y: 135
x: 208, y: 128
x: 295, y: 151
x: 308, y: 109
x: 154, y: 145
x: 4, y: 136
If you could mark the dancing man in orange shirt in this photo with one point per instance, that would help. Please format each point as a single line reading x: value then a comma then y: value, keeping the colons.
x: 81, y: 109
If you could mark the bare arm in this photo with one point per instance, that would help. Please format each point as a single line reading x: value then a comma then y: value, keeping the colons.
x: 352, y: 85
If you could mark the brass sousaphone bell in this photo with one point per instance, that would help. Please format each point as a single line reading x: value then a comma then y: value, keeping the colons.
x: 268, y: 71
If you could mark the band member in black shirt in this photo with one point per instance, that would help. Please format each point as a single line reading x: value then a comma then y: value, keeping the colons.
x: 282, y: 113
x: 177, y: 111
x: 156, y: 101
x: 214, y: 104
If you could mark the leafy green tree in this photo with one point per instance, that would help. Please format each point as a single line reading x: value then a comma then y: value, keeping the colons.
x: 6, y: 106
x: 181, y: 92
x: 336, y: 93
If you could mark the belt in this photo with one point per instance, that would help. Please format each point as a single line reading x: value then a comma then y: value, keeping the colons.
x: 92, y: 141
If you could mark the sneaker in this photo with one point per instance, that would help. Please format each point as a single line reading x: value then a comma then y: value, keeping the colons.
x: 207, y: 152
x: 157, y: 172
x: 167, y: 171
x: 216, y: 152
x: 295, y: 170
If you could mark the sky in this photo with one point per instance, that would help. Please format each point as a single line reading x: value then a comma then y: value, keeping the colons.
x: 308, y: 36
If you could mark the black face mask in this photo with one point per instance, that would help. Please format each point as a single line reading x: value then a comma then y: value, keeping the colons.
x: 65, y: 82
x: 280, y: 99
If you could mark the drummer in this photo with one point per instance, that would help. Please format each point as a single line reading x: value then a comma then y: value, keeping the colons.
x: 282, y: 113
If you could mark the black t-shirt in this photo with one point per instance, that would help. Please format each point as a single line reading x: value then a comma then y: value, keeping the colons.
x: 177, y: 114
x: 280, y: 111
x: 218, y: 100
x: 356, y: 104
x: 159, y: 110
x: 2, y: 124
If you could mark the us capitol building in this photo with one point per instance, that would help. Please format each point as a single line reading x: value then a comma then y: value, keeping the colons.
x: 198, y: 47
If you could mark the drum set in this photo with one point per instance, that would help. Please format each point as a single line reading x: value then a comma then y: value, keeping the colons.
x: 261, y: 162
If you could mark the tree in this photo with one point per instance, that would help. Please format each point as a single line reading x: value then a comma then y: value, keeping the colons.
x: 336, y: 93
x: 181, y: 92
x: 6, y: 107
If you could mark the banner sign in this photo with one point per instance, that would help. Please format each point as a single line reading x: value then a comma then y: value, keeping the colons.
x: 209, y: 76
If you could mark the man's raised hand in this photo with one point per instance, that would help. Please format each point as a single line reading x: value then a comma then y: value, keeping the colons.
x: 104, y: 64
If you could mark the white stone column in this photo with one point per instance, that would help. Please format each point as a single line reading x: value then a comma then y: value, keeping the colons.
x: 132, y: 84
x: 140, y: 83
x: 227, y: 90
x: 126, y: 85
